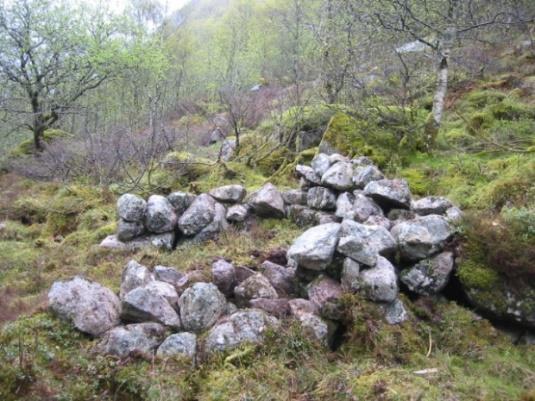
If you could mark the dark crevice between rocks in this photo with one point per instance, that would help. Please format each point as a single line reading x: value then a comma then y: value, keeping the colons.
x: 339, y: 337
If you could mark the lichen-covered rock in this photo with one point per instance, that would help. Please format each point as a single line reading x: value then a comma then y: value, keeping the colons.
x: 143, y: 304
x: 257, y: 286
x: 160, y: 216
x: 168, y: 275
x: 431, y: 205
x: 389, y: 193
x: 180, y: 201
x: 295, y: 197
x: 429, y: 276
x: 200, y: 306
x: 325, y: 293
x: 314, y: 249
x: 381, y: 221
x: 395, y: 312
x: 339, y: 176
x: 344, y: 206
x: 364, y: 208
x: 317, y: 328
x: 224, y: 276
x: 321, y: 163
x: 276, y: 307
x: 128, y: 230
x: 365, y: 243
x: 268, y: 202
x: 245, y: 326
x: 180, y: 344
x: 364, y: 175
x: 422, y: 237
x: 131, y: 208
x: 350, y: 275
x: 218, y: 224
x: 300, y: 306
x: 199, y: 215
x: 229, y: 193
x: 398, y: 215
x: 237, y: 213
x: 326, y: 218
x: 302, y: 216
x: 165, y: 290
x: 134, y: 275
x: 308, y: 174
x: 321, y: 198
x: 161, y: 241
x: 281, y: 278
x: 380, y: 282
x: 133, y: 338
x: 92, y: 308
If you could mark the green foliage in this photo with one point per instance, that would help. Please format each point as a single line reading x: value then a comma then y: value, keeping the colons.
x: 26, y: 147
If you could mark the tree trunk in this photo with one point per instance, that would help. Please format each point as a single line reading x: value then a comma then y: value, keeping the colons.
x: 441, y: 90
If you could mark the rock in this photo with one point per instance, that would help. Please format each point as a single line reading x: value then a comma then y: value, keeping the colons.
x: 314, y: 249
x: 133, y: 338
x: 162, y: 241
x: 344, y: 206
x: 316, y: 327
x: 134, y: 275
x: 364, y: 208
x: 320, y: 164
x: 112, y: 242
x: 336, y: 158
x: 294, y: 197
x: 190, y: 278
x: 228, y: 148
x: 325, y: 293
x: 237, y: 213
x: 364, y: 243
x: 127, y: 230
x: 165, y: 290
x: 199, y: 215
x: 361, y: 161
x: 224, y: 276
x: 304, y: 185
x: 180, y: 201
x: 160, y: 216
x: 276, y: 307
x: 243, y: 273
x: 397, y: 215
x: 229, y: 193
x: 422, y: 237
x: 245, y: 326
x: 302, y: 216
x: 308, y: 174
x: 395, y: 312
x: 326, y: 218
x: 230, y: 309
x: 429, y: 276
x: 257, y: 286
x: 431, y: 205
x: 381, y: 221
x: 218, y: 224
x: 380, y: 282
x: 299, y: 306
x: 364, y: 175
x: 350, y: 275
x: 281, y: 278
x: 131, y: 208
x: 339, y: 176
x: 167, y: 274
x: 200, y: 306
x: 142, y: 304
x: 321, y: 198
x: 181, y: 344
x: 389, y: 193
x: 454, y: 215
x: 92, y: 308
x: 268, y: 202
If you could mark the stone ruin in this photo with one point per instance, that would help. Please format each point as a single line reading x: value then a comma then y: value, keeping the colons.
x: 365, y: 235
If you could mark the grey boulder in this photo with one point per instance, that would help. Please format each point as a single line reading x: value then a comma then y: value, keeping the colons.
x: 321, y: 163
x: 339, y: 176
x: 167, y: 274
x: 268, y: 202
x: 294, y: 197
x: 143, y: 304
x: 281, y: 278
x: 237, y: 213
x: 314, y: 249
x: 344, y: 206
x: 364, y: 207
x: 134, y: 275
x: 224, y: 276
x: 229, y: 193
x: 92, y: 308
x: 132, y: 339
x: 389, y: 193
x: 279, y: 307
x: 128, y: 230
x: 380, y: 282
x: 160, y: 216
x: 321, y: 198
x: 308, y: 174
x: 131, y: 208
x: 180, y: 344
x: 198, y: 215
x: 350, y: 275
x: 429, y: 276
x: 256, y: 286
x: 180, y: 201
x: 200, y: 306
x: 364, y: 175
x: 395, y: 312
x: 431, y: 205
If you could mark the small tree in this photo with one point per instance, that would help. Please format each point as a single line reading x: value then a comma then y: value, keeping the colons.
x: 51, y: 56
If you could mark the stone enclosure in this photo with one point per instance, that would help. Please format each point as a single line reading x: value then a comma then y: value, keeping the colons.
x: 362, y: 233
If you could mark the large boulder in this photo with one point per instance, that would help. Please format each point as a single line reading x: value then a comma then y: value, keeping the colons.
x: 390, y: 193
x: 321, y: 163
x: 199, y: 215
x: 295, y: 197
x: 308, y: 174
x: 237, y: 213
x: 365, y: 243
x: 224, y: 276
x: 314, y: 249
x: 245, y: 326
x: 165, y: 290
x: 302, y: 216
x: 279, y: 307
x: 281, y: 278
x: 268, y: 202
x: 344, y: 206
x: 128, y: 230
x: 429, y: 276
x: 380, y: 282
x: 180, y: 201
x: 200, y: 306
x: 395, y: 312
x: 325, y: 293
x: 339, y: 176
x: 218, y: 224
x: 180, y: 344
x: 422, y: 237
x: 131, y: 208
x: 321, y: 198
x: 229, y: 193
x: 132, y: 339
x: 317, y: 328
x: 364, y: 208
x: 92, y: 308
x: 431, y: 205
x: 168, y: 275
x: 160, y: 216
x: 364, y: 175
x: 143, y: 304
x: 257, y: 286
x: 134, y: 275
x: 162, y: 241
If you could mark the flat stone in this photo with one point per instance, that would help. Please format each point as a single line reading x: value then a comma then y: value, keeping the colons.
x: 143, y: 304
x: 314, y: 249
x: 389, y: 193
x: 229, y: 193
x: 131, y: 339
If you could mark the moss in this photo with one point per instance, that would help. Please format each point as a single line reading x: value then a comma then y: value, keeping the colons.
x: 26, y: 147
